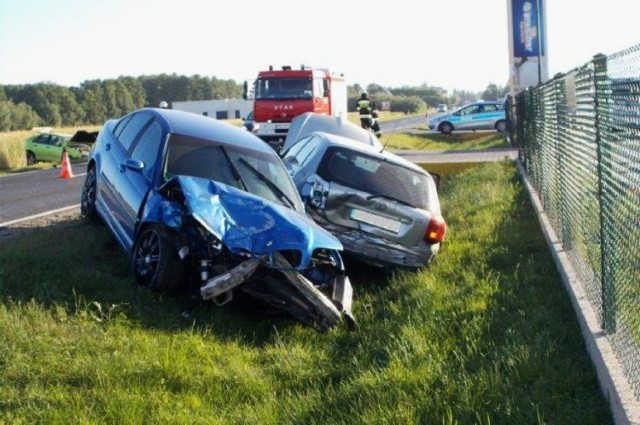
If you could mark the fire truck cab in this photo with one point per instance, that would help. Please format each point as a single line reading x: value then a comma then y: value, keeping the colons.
x: 282, y: 94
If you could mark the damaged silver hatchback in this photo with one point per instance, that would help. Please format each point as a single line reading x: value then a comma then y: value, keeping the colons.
x: 384, y: 209
x: 193, y: 200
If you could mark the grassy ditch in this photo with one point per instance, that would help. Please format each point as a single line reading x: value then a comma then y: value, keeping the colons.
x: 485, y: 335
x: 443, y: 142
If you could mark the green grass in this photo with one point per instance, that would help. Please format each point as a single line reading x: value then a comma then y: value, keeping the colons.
x: 485, y: 335
x: 443, y: 142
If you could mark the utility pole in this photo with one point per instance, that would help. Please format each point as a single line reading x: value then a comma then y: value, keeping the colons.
x: 539, y: 39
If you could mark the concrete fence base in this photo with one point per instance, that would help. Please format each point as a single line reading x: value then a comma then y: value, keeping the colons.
x: 625, y: 408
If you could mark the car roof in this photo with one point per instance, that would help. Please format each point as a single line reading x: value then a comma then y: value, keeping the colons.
x: 479, y: 102
x: 200, y: 126
x: 336, y: 140
x: 309, y: 122
x: 55, y: 134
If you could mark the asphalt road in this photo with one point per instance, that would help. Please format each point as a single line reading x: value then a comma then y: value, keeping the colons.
x: 33, y: 193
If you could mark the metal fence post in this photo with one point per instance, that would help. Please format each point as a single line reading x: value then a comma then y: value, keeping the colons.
x: 608, y: 319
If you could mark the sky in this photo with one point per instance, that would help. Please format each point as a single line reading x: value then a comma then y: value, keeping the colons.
x: 453, y: 44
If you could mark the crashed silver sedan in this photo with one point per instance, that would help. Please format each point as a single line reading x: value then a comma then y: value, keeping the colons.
x: 196, y: 202
x: 384, y: 209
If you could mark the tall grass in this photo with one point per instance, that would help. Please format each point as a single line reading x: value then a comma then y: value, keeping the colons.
x: 486, y: 335
x: 12, y: 153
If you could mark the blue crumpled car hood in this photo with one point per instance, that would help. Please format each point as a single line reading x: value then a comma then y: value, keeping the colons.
x: 248, y: 223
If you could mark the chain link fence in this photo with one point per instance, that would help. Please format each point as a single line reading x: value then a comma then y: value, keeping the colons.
x: 579, y: 141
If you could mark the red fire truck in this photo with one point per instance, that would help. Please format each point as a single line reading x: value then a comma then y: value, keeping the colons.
x: 279, y: 95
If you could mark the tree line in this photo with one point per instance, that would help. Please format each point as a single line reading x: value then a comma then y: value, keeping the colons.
x: 95, y: 101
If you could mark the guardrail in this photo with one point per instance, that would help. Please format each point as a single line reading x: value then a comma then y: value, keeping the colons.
x: 579, y: 142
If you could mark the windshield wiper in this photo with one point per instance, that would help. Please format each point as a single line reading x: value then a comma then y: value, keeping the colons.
x: 234, y: 170
x: 382, y: 195
x: 275, y: 189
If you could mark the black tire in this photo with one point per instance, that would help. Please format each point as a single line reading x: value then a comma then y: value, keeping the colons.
x: 31, y: 158
x: 155, y: 261
x: 501, y: 126
x: 446, y: 128
x: 88, y: 213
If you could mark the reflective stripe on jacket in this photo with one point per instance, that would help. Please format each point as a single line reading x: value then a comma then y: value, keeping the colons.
x: 364, y: 106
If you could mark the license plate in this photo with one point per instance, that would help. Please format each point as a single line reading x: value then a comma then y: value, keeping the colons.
x: 376, y: 220
x: 282, y: 126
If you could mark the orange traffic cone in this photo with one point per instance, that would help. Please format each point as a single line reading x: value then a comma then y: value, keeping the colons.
x: 66, y: 172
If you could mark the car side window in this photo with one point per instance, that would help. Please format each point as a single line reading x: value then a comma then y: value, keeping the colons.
x: 295, y: 149
x: 474, y: 109
x: 307, y: 150
x: 121, y: 124
x: 490, y: 108
x: 147, y: 146
x: 132, y: 129
x: 42, y: 139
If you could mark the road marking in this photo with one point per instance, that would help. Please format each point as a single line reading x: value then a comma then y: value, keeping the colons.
x: 80, y: 175
x: 31, y: 217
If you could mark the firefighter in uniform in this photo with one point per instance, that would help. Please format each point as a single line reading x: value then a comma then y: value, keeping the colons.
x: 368, y: 113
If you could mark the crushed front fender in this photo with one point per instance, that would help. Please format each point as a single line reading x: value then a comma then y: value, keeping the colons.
x: 243, y: 242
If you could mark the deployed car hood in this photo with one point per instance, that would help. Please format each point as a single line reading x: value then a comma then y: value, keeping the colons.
x: 248, y: 223
x: 307, y: 123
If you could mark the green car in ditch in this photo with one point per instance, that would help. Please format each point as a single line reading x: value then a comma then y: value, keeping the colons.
x: 47, y: 147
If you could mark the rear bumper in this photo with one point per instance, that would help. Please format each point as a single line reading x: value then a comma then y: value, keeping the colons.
x: 377, y: 250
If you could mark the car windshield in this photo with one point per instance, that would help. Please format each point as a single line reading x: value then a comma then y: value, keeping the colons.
x: 284, y: 88
x: 259, y: 173
x: 378, y: 177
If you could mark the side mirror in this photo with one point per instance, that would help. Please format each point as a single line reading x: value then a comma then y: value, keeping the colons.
x: 134, y: 165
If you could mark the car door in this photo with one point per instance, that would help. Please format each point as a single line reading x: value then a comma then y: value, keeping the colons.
x: 468, y: 117
x: 137, y: 172
x: 40, y: 146
x: 117, y: 150
x: 491, y: 115
x: 47, y: 149
x: 55, y: 151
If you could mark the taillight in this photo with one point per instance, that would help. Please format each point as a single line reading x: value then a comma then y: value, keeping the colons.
x: 436, y: 229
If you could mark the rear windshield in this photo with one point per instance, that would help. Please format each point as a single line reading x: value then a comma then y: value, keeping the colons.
x: 378, y: 177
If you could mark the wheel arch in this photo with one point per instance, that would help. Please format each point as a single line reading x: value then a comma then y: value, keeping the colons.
x: 444, y: 123
x: 501, y: 121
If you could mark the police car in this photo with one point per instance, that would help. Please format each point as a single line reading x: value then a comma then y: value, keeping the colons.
x: 481, y: 115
